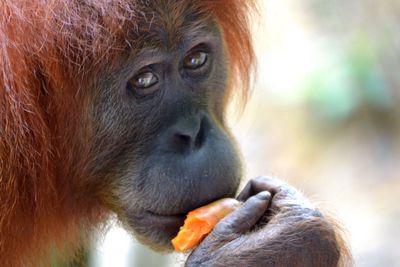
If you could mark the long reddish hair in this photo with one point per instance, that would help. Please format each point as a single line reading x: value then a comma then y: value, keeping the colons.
x: 47, y: 48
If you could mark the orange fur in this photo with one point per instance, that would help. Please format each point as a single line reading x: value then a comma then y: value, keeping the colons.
x: 47, y: 50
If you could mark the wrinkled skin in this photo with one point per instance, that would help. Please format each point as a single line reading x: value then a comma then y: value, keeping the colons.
x: 275, y: 226
x: 118, y: 107
x: 160, y: 143
x: 166, y: 104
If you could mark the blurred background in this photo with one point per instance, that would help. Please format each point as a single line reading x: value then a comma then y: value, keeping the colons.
x: 324, y: 116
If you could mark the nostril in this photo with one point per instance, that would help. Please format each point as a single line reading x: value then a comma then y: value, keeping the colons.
x: 187, y: 135
x: 182, y: 142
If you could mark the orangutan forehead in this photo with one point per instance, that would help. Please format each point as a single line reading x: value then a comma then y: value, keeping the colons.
x: 84, y: 31
x: 168, y: 26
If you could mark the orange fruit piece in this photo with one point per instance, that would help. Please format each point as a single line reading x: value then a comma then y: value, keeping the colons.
x: 201, y: 221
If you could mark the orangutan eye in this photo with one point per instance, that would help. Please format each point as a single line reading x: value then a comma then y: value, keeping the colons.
x: 195, y: 60
x: 144, y: 80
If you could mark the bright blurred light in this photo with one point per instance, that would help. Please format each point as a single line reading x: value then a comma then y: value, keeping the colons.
x: 114, y: 249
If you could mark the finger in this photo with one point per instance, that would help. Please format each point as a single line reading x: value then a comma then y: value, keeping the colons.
x: 244, y: 218
x: 283, y: 194
x: 246, y: 192
x: 259, y: 184
x: 265, y: 183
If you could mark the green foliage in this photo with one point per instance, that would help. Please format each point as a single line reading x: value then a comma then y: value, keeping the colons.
x: 354, y: 81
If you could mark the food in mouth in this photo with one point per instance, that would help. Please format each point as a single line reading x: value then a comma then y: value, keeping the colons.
x: 201, y: 221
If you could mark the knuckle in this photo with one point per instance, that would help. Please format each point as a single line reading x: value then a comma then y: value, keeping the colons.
x: 265, y: 179
x: 286, y: 193
x: 269, y: 183
x: 224, y: 230
x: 222, y: 227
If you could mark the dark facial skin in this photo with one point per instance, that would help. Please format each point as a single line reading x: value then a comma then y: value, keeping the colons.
x: 118, y: 107
x: 161, y: 149
x: 167, y: 109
